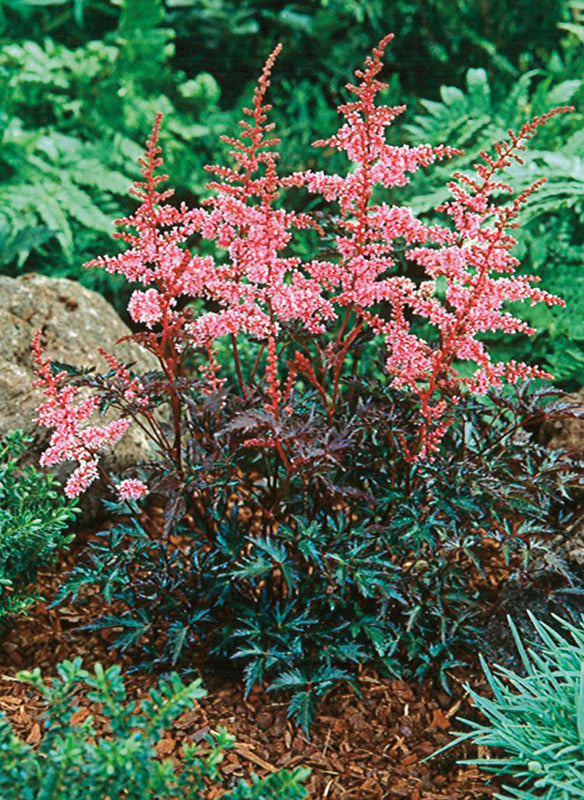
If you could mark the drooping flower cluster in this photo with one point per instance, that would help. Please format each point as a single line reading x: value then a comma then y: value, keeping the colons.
x: 478, y: 270
x: 71, y: 440
x: 367, y: 231
x: 255, y: 285
x: 131, y: 489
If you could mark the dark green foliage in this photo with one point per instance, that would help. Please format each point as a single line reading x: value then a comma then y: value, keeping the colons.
x: 359, y: 558
x: 70, y: 21
x: 34, y: 522
x: 535, y: 720
x: 437, y: 39
x: 76, y: 762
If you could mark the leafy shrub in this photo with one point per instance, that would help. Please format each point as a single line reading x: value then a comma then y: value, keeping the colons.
x: 535, y: 718
x: 34, y: 522
x: 75, y: 760
x: 317, y: 512
x: 70, y: 21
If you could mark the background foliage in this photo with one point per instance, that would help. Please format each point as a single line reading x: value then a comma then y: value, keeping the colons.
x: 73, y: 119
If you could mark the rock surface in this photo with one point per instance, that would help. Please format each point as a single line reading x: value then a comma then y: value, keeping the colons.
x: 75, y: 322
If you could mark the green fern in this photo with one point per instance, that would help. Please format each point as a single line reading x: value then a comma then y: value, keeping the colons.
x: 71, y: 120
x: 471, y: 119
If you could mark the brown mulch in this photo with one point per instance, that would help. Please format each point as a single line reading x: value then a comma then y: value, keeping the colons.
x: 361, y: 748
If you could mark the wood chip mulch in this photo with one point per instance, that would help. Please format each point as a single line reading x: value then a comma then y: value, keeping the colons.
x: 361, y: 748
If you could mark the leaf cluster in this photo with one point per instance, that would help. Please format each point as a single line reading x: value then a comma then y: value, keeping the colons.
x: 437, y: 40
x: 320, y: 37
x: 35, y: 522
x: 357, y: 558
x: 75, y: 759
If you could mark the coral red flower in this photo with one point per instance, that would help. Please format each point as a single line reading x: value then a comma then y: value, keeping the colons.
x: 71, y: 441
x: 131, y: 489
x: 257, y: 285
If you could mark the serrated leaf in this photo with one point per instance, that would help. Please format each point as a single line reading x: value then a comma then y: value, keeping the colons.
x: 79, y: 206
x: 290, y: 679
x: 177, y: 635
x: 302, y: 708
x: 453, y: 97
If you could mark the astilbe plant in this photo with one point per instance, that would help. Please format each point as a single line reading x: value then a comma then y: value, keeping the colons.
x: 270, y: 533
x: 257, y: 291
x: 468, y: 259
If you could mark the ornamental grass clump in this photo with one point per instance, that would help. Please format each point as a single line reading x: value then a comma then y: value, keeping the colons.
x: 535, y: 720
x: 307, y: 409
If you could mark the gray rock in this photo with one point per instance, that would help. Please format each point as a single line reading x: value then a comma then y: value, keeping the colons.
x: 75, y: 322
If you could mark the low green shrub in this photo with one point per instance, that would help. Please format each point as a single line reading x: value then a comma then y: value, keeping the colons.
x: 75, y: 761
x: 536, y: 718
x: 34, y: 523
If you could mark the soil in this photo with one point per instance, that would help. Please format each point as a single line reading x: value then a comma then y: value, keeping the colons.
x: 361, y: 748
